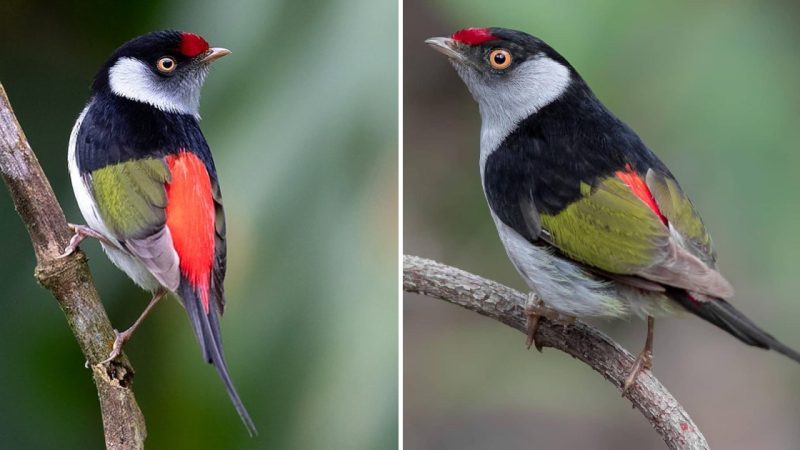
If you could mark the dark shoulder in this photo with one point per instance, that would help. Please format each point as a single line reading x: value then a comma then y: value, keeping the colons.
x: 115, y: 129
x: 544, y: 161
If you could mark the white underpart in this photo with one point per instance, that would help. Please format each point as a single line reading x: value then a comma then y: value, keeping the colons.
x: 566, y: 287
x: 560, y: 283
x: 134, y: 80
x: 82, y: 194
x: 126, y: 262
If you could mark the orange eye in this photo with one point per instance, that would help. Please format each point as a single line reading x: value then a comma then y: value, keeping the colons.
x: 500, y: 59
x: 166, y: 64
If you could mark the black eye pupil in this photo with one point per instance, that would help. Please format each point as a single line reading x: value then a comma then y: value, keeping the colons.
x: 167, y: 63
x: 500, y: 59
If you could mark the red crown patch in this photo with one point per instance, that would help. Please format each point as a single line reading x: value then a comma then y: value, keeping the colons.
x: 192, y: 45
x: 473, y: 36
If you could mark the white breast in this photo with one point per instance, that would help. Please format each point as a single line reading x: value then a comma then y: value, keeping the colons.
x: 121, y: 258
x: 79, y: 187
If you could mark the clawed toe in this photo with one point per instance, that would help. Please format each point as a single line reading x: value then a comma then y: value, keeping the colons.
x: 121, y: 338
x: 643, y: 361
x: 81, y: 232
x: 533, y: 328
x: 535, y: 309
x: 116, y: 348
x: 70, y: 249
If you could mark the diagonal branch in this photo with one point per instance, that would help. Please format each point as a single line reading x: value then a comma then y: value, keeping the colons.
x: 581, y: 341
x: 70, y: 282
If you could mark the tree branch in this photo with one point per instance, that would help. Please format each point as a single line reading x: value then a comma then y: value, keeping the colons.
x: 581, y: 341
x: 70, y: 282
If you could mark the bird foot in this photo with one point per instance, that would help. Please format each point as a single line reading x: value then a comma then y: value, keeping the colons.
x: 119, y: 340
x: 535, y: 309
x: 80, y: 232
x: 643, y: 361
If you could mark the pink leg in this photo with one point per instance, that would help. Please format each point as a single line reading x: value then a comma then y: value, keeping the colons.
x: 81, y: 233
x: 123, y: 337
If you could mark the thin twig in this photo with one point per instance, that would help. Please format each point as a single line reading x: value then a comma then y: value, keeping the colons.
x: 70, y: 282
x: 579, y: 340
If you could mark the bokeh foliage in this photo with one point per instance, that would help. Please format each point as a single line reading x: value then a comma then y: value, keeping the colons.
x: 302, y: 120
x: 712, y: 88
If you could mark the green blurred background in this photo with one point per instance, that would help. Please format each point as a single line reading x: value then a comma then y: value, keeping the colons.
x: 713, y: 88
x: 302, y: 120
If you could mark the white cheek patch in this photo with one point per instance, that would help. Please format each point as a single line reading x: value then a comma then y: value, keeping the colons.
x: 503, y: 105
x: 134, y: 80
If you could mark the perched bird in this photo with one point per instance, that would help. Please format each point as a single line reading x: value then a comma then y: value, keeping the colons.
x: 146, y: 185
x: 593, y: 221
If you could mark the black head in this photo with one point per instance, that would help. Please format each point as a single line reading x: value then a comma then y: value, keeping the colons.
x: 165, y: 69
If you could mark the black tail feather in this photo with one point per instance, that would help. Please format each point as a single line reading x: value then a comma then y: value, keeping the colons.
x: 725, y: 316
x: 206, y: 329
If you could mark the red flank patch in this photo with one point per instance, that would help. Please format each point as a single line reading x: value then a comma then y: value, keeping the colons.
x: 640, y: 189
x: 190, y: 219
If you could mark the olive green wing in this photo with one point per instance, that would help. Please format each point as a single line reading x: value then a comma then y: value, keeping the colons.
x: 131, y: 200
x: 684, y: 220
x: 608, y: 228
x: 616, y: 227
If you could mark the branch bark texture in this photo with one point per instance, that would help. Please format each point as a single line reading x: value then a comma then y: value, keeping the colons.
x: 70, y: 282
x: 581, y: 341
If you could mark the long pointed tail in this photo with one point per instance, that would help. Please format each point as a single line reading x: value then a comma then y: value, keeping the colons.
x: 724, y: 315
x: 206, y: 329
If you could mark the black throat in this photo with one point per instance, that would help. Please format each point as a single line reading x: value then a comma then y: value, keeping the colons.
x: 116, y: 129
